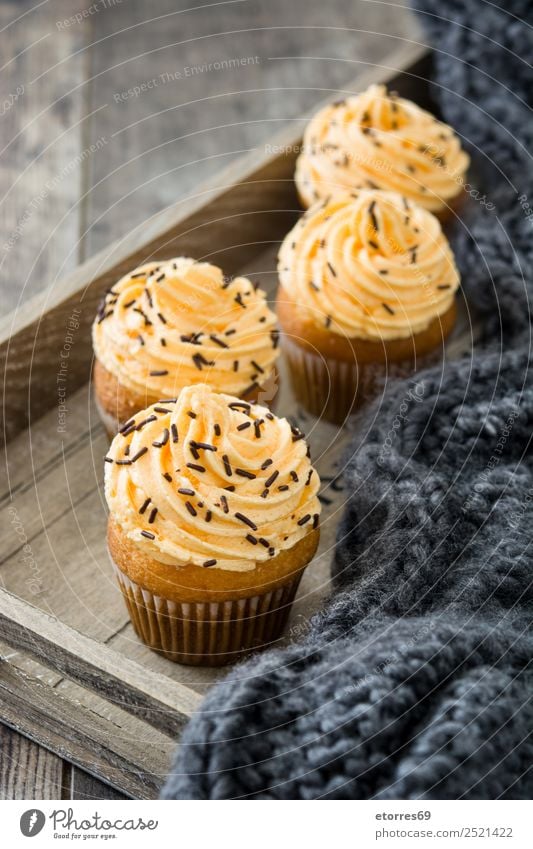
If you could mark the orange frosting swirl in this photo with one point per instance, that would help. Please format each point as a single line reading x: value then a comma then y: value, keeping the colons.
x: 370, y: 265
x: 377, y: 140
x: 210, y: 480
x: 169, y: 324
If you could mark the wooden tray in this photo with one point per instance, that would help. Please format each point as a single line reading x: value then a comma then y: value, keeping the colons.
x: 74, y: 676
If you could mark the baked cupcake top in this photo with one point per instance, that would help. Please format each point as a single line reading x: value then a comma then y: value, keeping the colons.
x: 369, y: 265
x: 378, y: 140
x: 169, y: 324
x: 210, y: 480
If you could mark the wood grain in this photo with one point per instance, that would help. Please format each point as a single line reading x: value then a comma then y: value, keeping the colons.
x: 27, y: 771
x: 166, y: 705
x: 78, y: 734
x: 85, y: 786
x: 195, y: 119
x: 42, y: 134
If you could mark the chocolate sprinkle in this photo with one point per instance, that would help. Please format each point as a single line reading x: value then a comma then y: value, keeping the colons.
x: 152, y: 516
x: 251, y: 538
x: 264, y: 493
x: 139, y: 453
x: 144, y: 506
x: 373, y: 218
x: 244, y: 425
x: 266, y: 464
x: 224, y: 502
x: 200, y: 361
x: 245, y: 474
x: 190, y: 508
x: 161, y: 410
x: 242, y: 518
x: 195, y: 467
x: 389, y: 309
x: 272, y: 478
x: 218, y: 341
x: 184, y: 490
x: 257, y: 367
x: 163, y: 441
x: 227, y: 466
x: 304, y: 519
x: 174, y: 432
x: 204, y: 446
x: 208, y: 563
x: 331, y: 269
x: 167, y: 477
x: 158, y: 372
x: 147, y: 534
x: 208, y: 516
x: 216, y: 428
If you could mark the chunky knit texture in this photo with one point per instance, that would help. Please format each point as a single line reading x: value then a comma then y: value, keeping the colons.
x: 414, y: 681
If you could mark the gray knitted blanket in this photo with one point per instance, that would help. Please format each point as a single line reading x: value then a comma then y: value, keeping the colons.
x: 415, y: 681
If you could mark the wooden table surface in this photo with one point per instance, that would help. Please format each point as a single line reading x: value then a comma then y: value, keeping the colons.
x: 110, y: 116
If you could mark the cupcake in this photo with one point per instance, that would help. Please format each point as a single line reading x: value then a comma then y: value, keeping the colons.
x: 367, y: 290
x: 377, y: 140
x: 213, y: 518
x: 172, y: 324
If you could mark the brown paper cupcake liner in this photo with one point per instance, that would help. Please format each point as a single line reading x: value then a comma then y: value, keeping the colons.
x: 334, y: 389
x: 207, y: 633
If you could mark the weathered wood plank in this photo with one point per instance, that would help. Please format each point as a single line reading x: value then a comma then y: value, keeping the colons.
x: 42, y: 128
x: 81, y: 736
x: 85, y: 786
x: 189, y: 89
x: 164, y: 704
x: 27, y: 771
x: 224, y: 222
